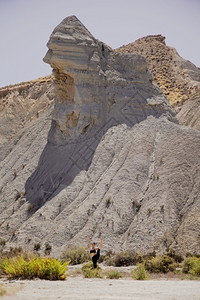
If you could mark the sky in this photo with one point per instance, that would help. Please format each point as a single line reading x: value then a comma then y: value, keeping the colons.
x: 26, y: 25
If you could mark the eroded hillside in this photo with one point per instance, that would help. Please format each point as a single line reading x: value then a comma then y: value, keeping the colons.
x: 178, y: 78
x: 114, y: 163
x: 22, y: 103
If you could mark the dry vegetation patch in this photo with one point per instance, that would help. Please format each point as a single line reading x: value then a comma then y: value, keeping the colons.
x: 76, y: 254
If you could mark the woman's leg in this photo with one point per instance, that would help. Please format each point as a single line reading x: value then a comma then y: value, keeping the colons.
x: 95, y: 258
x: 98, y: 254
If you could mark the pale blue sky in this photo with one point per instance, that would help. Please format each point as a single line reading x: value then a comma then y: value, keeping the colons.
x: 25, y: 27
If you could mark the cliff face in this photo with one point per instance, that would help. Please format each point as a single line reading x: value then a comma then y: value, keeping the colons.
x: 22, y: 103
x: 94, y: 84
x: 115, y: 162
x: 25, y: 119
x: 109, y: 89
x: 178, y: 78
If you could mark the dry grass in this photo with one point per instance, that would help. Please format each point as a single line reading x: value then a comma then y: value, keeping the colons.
x: 88, y: 271
x: 140, y: 273
x: 113, y: 274
x: 76, y: 254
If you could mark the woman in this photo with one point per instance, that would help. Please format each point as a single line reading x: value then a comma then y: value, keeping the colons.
x: 94, y: 252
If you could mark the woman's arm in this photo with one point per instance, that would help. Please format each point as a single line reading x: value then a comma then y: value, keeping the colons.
x: 100, y: 244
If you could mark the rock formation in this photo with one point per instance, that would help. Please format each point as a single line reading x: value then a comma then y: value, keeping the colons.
x: 21, y: 103
x: 116, y: 162
x: 178, y: 78
x: 189, y: 113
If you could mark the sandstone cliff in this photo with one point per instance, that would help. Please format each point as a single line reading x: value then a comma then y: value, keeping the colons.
x: 115, y: 162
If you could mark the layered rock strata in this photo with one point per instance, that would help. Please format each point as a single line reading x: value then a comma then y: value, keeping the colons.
x: 22, y: 103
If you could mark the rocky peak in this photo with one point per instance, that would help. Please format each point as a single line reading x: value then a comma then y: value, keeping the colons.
x: 152, y: 39
x: 178, y: 78
x: 93, y: 83
x: 69, y: 42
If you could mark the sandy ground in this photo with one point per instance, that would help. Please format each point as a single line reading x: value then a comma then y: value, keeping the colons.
x: 78, y: 288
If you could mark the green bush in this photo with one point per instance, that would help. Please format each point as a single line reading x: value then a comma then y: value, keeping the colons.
x: 187, y: 264
x: 127, y: 258
x: 43, y: 268
x: 160, y: 264
x: 89, y: 271
x: 14, y: 252
x: 192, y: 266
x: 113, y: 274
x: 140, y: 273
x: 76, y: 254
x: 149, y: 255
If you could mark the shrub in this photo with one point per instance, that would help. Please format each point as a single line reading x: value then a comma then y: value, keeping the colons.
x: 160, y: 264
x: 102, y: 258
x: 192, y: 266
x: 2, y: 243
x: 14, y: 175
x: 127, y: 258
x: 89, y: 271
x: 140, y: 273
x: 48, y: 248
x: 188, y: 254
x: 76, y: 254
x: 31, y: 208
x: 113, y: 274
x: 149, y: 255
x: 107, y: 257
x: 43, y: 268
x: 187, y: 264
x: 37, y: 246
x: 177, y: 257
x: 15, y: 252
x: 17, y: 195
x: 108, y: 202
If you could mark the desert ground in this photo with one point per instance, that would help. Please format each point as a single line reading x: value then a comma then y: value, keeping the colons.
x: 75, y: 287
x: 78, y: 288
